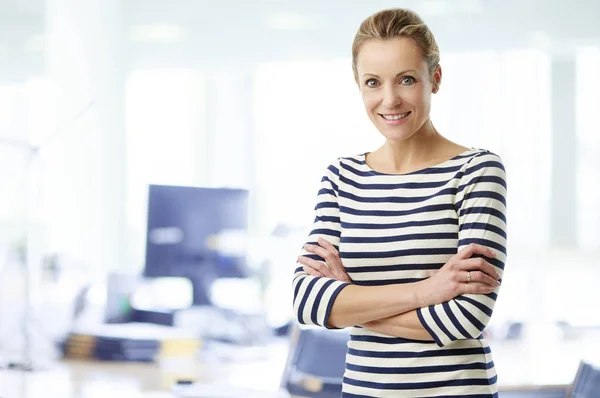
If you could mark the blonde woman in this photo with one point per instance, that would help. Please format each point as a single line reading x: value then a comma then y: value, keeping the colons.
x: 409, y: 241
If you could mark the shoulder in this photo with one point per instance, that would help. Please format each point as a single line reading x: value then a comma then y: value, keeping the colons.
x: 484, y: 170
x: 483, y: 160
x: 353, y: 162
x: 332, y: 173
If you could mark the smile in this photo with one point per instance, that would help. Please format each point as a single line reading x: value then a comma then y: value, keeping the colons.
x: 396, y: 116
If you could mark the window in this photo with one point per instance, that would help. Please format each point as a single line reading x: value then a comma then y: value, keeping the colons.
x: 306, y: 115
x: 501, y: 101
x: 588, y: 167
x: 164, y: 134
x: 309, y: 113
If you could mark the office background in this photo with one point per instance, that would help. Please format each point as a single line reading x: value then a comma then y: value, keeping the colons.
x: 101, y: 98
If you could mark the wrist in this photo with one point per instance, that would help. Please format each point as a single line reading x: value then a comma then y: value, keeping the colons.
x: 421, y: 294
x: 407, y: 296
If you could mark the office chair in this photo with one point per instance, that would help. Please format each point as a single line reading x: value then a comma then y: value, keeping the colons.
x: 585, y: 385
x: 552, y: 392
x: 587, y: 382
x: 316, y: 362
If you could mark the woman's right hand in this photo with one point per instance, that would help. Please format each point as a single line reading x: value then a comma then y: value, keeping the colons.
x: 453, y: 278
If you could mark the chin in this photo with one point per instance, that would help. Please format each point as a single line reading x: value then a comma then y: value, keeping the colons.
x: 396, y: 134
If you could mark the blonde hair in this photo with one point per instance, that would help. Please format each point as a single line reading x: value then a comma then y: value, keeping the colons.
x: 393, y: 23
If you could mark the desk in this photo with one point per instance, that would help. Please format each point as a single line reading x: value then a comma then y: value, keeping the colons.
x: 70, y: 378
x: 83, y: 379
x: 520, y: 366
x: 93, y: 379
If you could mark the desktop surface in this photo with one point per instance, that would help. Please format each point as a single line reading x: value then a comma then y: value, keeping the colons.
x: 255, y: 368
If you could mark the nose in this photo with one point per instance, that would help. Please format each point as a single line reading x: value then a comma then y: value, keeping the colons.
x: 391, y: 97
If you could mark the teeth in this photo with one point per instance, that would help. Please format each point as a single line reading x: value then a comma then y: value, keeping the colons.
x: 395, y: 117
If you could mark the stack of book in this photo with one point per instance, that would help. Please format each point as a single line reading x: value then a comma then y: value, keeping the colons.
x: 131, y: 342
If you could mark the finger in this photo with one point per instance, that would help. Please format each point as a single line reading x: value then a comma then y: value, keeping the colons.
x: 468, y: 288
x: 332, y: 258
x: 336, y: 260
x: 318, y: 250
x: 474, y: 248
x: 327, y: 245
x: 341, y: 276
x: 317, y: 266
x: 479, y: 264
x: 320, y: 269
x: 312, y: 272
x: 481, y: 277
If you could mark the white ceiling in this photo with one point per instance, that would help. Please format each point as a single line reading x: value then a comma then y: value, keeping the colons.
x: 238, y: 31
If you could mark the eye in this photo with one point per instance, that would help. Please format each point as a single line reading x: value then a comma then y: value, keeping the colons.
x: 371, y: 83
x: 408, y: 80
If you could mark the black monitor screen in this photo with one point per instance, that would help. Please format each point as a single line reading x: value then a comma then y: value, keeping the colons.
x: 184, y: 224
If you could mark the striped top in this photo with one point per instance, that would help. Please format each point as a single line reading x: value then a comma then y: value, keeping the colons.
x: 401, y: 228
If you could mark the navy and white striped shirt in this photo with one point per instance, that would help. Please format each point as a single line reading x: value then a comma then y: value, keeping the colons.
x: 401, y: 228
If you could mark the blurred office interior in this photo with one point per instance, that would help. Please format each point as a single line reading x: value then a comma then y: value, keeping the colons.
x: 159, y: 164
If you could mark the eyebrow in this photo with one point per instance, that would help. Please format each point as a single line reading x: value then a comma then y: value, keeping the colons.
x: 399, y: 74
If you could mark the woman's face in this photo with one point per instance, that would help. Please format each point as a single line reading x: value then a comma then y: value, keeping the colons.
x: 396, y: 86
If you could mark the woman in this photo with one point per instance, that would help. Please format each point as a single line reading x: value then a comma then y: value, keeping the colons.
x: 408, y: 244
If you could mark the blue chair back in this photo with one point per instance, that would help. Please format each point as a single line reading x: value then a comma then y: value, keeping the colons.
x: 316, y: 362
x: 587, y: 382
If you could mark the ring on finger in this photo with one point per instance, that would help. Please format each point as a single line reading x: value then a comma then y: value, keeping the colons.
x: 469, y: 279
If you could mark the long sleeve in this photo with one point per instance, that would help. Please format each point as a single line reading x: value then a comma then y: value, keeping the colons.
x: 481, y: 208
x: 314, y: 297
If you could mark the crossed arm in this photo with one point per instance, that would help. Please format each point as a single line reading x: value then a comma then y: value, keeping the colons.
x: 444, y: 307
x: 392, y: 310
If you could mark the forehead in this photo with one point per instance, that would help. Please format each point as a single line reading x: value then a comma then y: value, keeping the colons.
x: 392, y: 55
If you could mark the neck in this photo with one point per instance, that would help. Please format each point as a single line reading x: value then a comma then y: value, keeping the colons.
x: 410, y: 153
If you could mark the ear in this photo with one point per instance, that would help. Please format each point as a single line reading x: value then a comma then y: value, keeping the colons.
x: 436, y: 79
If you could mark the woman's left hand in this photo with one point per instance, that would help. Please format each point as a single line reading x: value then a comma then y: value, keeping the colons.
x: 334, y: 268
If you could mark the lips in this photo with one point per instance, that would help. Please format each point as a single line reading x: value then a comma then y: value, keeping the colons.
x: 395, y: 116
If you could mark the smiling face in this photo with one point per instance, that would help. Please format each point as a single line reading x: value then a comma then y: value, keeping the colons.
x: 396, y: 86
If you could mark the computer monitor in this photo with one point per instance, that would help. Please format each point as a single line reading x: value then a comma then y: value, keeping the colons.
x: 185, y: 233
